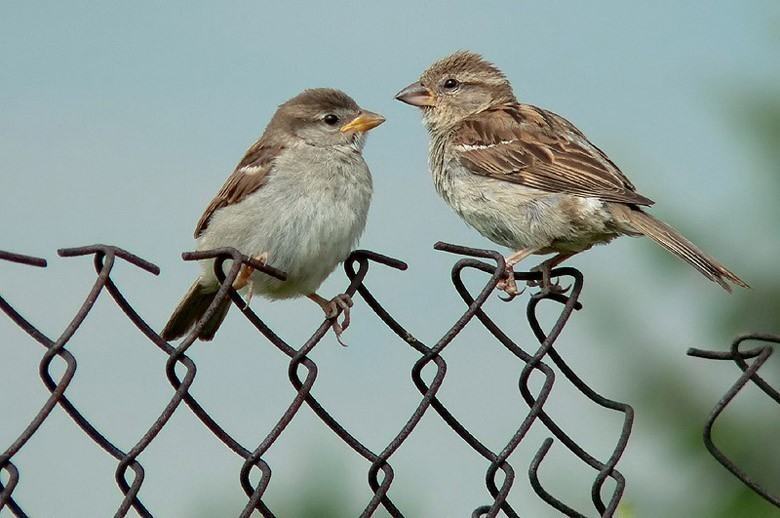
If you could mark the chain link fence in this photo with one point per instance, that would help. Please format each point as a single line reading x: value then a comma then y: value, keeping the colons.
x: 302, y: 373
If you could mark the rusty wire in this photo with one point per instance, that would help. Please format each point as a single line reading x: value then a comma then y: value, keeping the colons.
x: 749, y: 373
x: 380, y: 472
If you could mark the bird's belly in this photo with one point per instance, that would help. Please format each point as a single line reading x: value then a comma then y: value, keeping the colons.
x: 305, y: 230
x: 519, y: 217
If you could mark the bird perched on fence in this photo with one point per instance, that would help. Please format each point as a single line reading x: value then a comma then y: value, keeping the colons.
x: 526, y: 178
x: 298, y: 200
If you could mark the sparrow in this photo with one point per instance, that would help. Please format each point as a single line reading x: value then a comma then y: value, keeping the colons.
x: 298, y: 200
x: 528, y: 179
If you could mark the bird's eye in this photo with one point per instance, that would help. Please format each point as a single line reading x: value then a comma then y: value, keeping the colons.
x: 331, y: 119
x: 451, y: 84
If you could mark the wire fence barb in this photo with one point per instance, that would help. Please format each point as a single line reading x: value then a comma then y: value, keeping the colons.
x: 302, y: 373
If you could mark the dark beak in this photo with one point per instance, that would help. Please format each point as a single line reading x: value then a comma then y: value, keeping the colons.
x: 416, y: 95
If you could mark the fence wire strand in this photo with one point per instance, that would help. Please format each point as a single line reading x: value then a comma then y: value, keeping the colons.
x: 749, y: 374
x: 302, y: 373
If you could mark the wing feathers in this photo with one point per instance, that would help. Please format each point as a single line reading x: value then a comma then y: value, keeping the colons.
x: 250, y: 174
x: 523, y: 144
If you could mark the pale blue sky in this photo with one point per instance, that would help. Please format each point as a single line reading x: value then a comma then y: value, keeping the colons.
x: 119, y: 121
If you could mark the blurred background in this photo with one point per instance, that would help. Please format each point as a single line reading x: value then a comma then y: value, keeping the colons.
x: 119, y: 122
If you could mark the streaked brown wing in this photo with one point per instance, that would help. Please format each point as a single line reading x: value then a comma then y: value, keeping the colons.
x: 250, y: 174
x: 524, y: 144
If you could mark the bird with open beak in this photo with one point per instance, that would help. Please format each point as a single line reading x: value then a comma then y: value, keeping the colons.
x: 526, y: 178
x: 298, y: 201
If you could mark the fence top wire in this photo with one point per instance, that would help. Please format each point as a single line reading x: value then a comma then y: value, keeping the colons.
x: 302, y: 373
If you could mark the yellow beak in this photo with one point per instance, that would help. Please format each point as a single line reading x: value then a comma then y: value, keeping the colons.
x: 365, y: 121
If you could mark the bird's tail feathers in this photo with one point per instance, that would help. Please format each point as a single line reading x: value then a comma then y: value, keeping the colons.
x: 191, y: 309
x: 679, y: 245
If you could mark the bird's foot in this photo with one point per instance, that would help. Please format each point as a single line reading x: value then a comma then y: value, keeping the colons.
x: 508, y: 285
x: 547, y: 286
x: 342, y: 302
x: 245, y: 278
x: 339, y: 304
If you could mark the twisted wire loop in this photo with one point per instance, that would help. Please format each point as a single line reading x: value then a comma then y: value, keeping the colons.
x: 298, y: 358
x: 570, y: 303
x: 429, y: 354
x: 5, y: 459
x: 57, y: 348
x: 759, y: 355
x: 499, y: 461
x: 302, y: 374
x: 177, y: 355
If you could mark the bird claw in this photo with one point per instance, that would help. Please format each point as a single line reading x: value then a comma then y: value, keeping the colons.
x: 554, y: 289
x: 547, y: 286
x: 246, y: 279
x: 508, y: 285
x: 339, y: 304
x: 249, y: 292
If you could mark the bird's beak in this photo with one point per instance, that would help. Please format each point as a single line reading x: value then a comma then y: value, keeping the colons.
x: 416, y: 95
x: 365, y: 121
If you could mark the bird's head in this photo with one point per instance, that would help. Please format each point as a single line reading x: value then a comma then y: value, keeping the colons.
x: 457, y: 87
x: 325, y: 117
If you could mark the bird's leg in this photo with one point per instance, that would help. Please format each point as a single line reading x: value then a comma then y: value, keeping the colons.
x: 339, y: 303
x: 545, y: 268
x: 245, y: 278
x: 508, y: 284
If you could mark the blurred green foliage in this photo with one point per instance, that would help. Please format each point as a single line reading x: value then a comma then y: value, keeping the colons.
x: 752, y: 440
x: 757, y: 118
x: 754, y: 443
